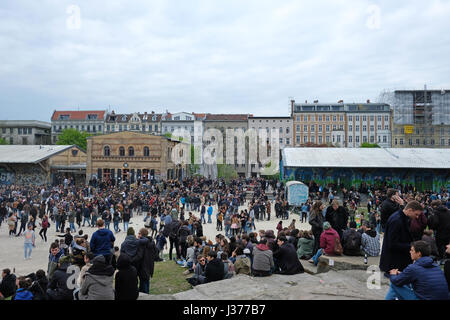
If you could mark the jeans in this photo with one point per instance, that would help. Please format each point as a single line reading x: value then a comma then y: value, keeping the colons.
x: 202, y: 218
x: 58, y: 224
x: 144, y: 285
x: 27, y: 248
x: 86, y: 219
x: 116, y: 226
x: 125, y: 226
x: 107, y: 223
x: 209, y: 218
x: 72, y: 227
x: 402, y: 293
x: 227, y: 230
x: 316, y: 256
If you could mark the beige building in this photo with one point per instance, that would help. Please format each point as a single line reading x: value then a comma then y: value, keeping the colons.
x: 70, y: 164
x: 131, y: 156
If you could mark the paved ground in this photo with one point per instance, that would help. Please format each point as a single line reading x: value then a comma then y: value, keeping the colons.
x: 12, y: 252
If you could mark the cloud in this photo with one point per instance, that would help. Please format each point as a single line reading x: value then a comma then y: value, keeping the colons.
x: 210, y: 56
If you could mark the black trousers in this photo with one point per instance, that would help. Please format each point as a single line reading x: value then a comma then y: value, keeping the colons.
x: 43, y: 234
x: 174, y: 243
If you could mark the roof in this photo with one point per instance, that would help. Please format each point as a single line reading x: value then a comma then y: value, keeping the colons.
x: 25, y: 123
x: 29, y: 153
x: 268, y: 118
x: 367, y: 158
x: 119, y: 117
x: 227, y: 117
x: 79, y: 115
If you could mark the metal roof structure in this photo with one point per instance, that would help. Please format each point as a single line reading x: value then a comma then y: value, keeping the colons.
x: 29, y: 153
x: 418, y: 158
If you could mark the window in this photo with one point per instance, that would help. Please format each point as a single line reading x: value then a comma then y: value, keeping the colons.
x: 91, y: 116
x: 357, y: 127
x: 320, y: 118
x: 386, y: 127
x: 338, y: 139
x: 372, y: 128
x: 106, y: 151
x: 410, y: 142
x: 24, y: 140
x: 11, y: 130
x: 396, y: 141
x: 313, y: 139
x: 131, y: 152
x: 401, y: 141
x: 287, y: 130
x: 334, y: 118
x: 341, y: 118
x: 281, y: 130
x: 100, y: 128
x: 288, y: 141
x: 108, y: 128
x: 356, y: 118
x: 3, y: 130
x: 298, y: 118
x: 341, y: 126
x: 312, y: 128
x: 334, y: 127
x: 442, y: 142
x: 371, y: 118
x: 364, y: 138
x: 372, y: 139
x: 305, y: 139
x: 379, y: 118
x: 327, y: 139
x: 30, y: 130
x: 350, y: 128
x: 298, y: 128
x: 146, y: 152
x: 320, y: 140
x: 156, y: 127
x: 350, y: 118
x: 350, y: 139
x: 328, y: 118
x: 11, y: 141
x: 176, y: 118
x: 384, y: 139
x: 327, y: 128
x: 122, y: 151
x: 432, y: 142
x: 417, y: 141
x: 19, y: 130
x: 297, y: 139
x: 125, y: 128
x: 386, y: 118
x: 64, y: 117
x: 320, y: 128
x: 120, y: 127
x: 364, y: 118
x: 357, y: 139
x: 379, y: 127
x: 281, y: 140
x: 305, y: 127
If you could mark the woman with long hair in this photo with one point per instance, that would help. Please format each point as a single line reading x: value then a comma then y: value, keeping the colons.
x: 316, y: 220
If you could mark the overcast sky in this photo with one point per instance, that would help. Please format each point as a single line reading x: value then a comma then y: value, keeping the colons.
x: 231, y: 56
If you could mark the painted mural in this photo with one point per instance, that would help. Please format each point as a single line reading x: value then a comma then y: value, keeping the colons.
x: 7, y: 177
x: 422, y: 179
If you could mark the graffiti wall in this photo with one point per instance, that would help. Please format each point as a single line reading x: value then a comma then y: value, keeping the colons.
x: 23, y: 175
x: 422, y: 179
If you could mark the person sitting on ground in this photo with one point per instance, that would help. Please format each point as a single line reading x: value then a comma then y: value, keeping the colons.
x: 199, y: 271
x: 286, y: 257
x: 57, y: 288
x: 329, y: 241
x: 214, y: 268
x: 305, y: 245
x: 242, y: 264
x: 370, y: 240
x: 39, y: 286
x: 23, y: 292
x: 351, y: 240
x: 263, y: 263
x: 428, y: 238
x: 8, y: 283
x: 421, y: 280
x: 126, y: 279
x: 98, y: 282
x: 228, y: 266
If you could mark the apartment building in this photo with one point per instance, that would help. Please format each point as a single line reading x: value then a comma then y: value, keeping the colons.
x: 25, y: 132
x: 91, y: 121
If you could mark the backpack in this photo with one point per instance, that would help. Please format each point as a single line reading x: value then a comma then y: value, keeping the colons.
x: 352, y: 244
x: 338, y: 247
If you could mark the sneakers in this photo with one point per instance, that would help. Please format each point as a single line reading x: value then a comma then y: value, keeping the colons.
x: 186, y: 272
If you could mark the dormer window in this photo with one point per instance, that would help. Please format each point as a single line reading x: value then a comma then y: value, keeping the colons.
x: 64, y: 117
x: 124, y: 118
x: 154, y: 118
x: 91, y: 117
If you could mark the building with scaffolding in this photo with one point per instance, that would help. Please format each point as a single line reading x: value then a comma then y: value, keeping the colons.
x: 421, y: 118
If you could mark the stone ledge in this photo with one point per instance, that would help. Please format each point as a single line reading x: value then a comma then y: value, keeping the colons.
x: 348, y: 262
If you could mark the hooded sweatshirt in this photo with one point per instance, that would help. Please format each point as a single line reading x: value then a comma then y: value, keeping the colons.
x: 101, y: 242
x: 126, y: 280
x: 23, y: 294
x: 98, y: 282
x: 130, y: 246
x: 262, y: 258
x: 427, y: 279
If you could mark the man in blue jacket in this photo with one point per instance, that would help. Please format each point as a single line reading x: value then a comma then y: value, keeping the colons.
x: 421, y: 280
x: 397, y: 238
x: 102, y: 241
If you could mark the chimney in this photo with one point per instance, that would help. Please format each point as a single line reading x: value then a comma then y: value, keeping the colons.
x: 292, y: 107
x: 306, y: 101
x: 316, y: 101
x: 341, y: 101
x: 368, y: 101
x: 153, y: 112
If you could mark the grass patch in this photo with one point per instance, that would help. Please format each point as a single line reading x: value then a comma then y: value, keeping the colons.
x: 168, y: 278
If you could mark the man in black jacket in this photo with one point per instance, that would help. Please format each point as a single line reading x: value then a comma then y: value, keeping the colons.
x: 126, y: 279
x: 214, y: 270
x: 397, y: 239
x: 8, y: 284
x: 337, y: 216
x: 286, y: 257
x: 146, y: 255
x: 57, y: 288
x: 439, y: 220
x: 392, y: 204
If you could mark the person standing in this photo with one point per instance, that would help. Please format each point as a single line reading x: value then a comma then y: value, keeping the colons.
x: 29, y: 242
x: 147, y: 254
x: 392, y: 204
x: 316, y: 220
x: 397, y: 240
x: 126, y: 279
x: 210, y: 212
x: 102, y: 241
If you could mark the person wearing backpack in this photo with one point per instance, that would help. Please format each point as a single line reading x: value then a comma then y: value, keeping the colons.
x: 329, y: 243
x: 171, y: 231
x: 351, y: 240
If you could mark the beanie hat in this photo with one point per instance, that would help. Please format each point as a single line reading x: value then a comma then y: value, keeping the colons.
x: 326, y: 225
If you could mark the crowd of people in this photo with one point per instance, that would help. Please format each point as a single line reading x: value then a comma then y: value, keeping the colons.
x: 174, y: 214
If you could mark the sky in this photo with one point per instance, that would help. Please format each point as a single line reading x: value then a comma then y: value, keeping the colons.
x: 212, y: 56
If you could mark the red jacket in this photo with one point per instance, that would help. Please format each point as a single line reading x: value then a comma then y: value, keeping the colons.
x: 327, y: 240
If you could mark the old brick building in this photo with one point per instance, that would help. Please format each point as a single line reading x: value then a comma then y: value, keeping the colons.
x: 131, y: 156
